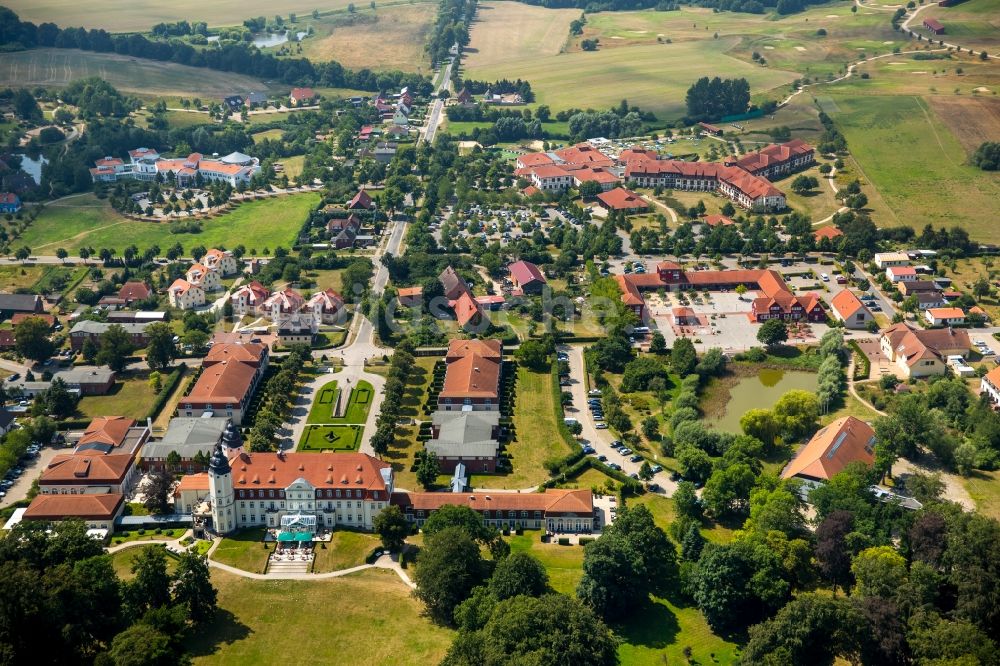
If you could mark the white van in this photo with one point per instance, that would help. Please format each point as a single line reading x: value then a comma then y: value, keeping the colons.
x: 824, y: 277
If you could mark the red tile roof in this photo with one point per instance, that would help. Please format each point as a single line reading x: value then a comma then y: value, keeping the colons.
x: 88, y: 507
x: 847, y: 304
x: 250, y: 353
x: 227, y: 382
x: 773, y: 154
x: 552, y: 501
x: 524, y: 272
x: 133, y: 291
x: 475, y: 373
x: 844, y: 441
x: 716, y: 220
x: 466, y: 308
x: 341, y: 470
x: 490, y: 349
x: 828, y: 232
x: 361, y: 200
x: 107, y: 430
x: 70, y: 469
x: 622, y: 199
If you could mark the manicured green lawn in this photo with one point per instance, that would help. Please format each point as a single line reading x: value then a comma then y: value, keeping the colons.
x: 122, y: 561
x: 359, y: 401
x: 331, y: 438
x: 404, y: 448
x: 564, y: 564
x: 366, y: 618
x: 536, y: 431
x: 245, y: 550
x: 266, y: 223
x: 148, y: 535
x: 346, y: 549
x: 132, y: 397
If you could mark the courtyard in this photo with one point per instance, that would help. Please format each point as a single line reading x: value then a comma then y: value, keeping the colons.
x: 337, y: 417
x: 337, y: 438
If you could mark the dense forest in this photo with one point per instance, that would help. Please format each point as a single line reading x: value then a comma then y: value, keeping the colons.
x: 239, y: 58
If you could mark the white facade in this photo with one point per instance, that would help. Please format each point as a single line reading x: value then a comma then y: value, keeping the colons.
x: 185, y: 296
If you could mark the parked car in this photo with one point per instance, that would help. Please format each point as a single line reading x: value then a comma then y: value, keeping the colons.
x: 601, y: 426
x: 590, y: 392
x: 602, y: 458
x: 636, y: 458
x: 617, y: 468
x: 589, y: 450
x: 657, y: 469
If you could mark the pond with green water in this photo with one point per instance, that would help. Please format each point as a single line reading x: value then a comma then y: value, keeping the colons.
x: 761, y: 391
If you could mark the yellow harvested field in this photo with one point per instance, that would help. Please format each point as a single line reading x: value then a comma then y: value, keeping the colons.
x: 390, y: 38
x: 136, y: 15
x: 506, y: 31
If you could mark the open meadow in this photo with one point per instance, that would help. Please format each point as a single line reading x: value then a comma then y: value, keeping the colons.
x: 973, y: 24
x: 505, y: 32
x: 142, y: 15
x: 400, y: 32
x: 654, y: 77
x: 87, y: 221
x: 59, y: 67
x: 365, y: 618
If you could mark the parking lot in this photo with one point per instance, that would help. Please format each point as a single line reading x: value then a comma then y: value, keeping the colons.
x: 32, y: 470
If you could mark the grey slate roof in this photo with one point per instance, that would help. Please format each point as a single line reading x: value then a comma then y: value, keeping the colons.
x: 465, y: 434
x: 19, y: 302
x: 187, y: 436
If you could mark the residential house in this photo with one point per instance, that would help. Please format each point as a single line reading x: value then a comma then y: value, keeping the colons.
x: 527, y: 277
x: 249, y: 298
x: 710, y: 129
x: 234, y: 103
x: 621, y: 199
x: 9, y: 202
x: 328, y: 305
x: 282, y: 304
x: 264, y: 489
x: 990, y: 385
x: 556, y: 511
x: 945, y: 316
x: 467, y: 438
x: 301, y: 96
x: 299, y: 329
x: 193, y: 440
x: 917, y: 353
x: 465, y: 98
x: 929, y: 299
x: 717, y: 220
x: 916, y: 286
x: 8, y: 421
x: 205, y: 277
x: 21, y: 316
x: 886, y: 260
x: 93, y: 330
x: 343, y: 230
x: 361, y: 200
x: 184, y: 295
x: 133, y: 291
x: 385, y: 151
x: 833, y: 447
x: 409, y: 297
x: 472, y: 376
x: 221, y: 261
x: 849, y: 309
x: 454, y: 285
x: 901, y: 274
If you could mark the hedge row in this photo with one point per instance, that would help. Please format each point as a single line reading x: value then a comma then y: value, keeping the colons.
x: 865, y: 369
x: 169, y: 386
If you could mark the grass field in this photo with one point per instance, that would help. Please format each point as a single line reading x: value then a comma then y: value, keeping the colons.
x: 245, y: 550
x: 19, y: 277
x: 144, y: 14
x: 510, y: 31
x: 537, y: 433
x: 325, y: 438
x: 916, y: 164
x: 57, y: 67
x: 345, y: 550
x: 973, y: 24
x: 564, y: 564
x: 87, y: 221
x: 399, y: 31
x: 652, y: 76
x: 122, y: 561
x: 132, y: 397
x: 365, y: 618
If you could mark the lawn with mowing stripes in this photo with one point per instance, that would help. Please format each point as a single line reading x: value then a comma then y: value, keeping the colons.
x: 358, y: 399
x: 342, y: 438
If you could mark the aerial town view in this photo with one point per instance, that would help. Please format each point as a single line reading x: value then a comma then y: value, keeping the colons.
x: 489, y: 332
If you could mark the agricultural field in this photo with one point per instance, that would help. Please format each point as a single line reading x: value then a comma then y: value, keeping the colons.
x: 511, y: 32
x: 87, y: 221
x: 144, y: 14
x: 400, y: 32
x: 916, y: 163
x: 58, y: 67
x: 654, y: 77
x: 327, y: 621
x: 972, y: 120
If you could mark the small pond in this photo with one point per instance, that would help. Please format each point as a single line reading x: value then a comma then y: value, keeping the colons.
x: 33, y: 167
x: 761, y: 391
x: 266, y: 40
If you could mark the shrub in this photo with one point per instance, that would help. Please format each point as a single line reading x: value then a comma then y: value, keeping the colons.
x: 585, y: 540
x: 140, y: 532
x: 563, y: 541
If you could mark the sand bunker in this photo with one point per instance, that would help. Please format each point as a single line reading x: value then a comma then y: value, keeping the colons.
x: 639, y: 32
x: 897, y: 63
x: 981, y: 89
x: 918, y: 72
x: 888, y: 42
x: 769, y: 48
x: 832, y: 16
x: 800, y: 48
x: 617, y: 37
